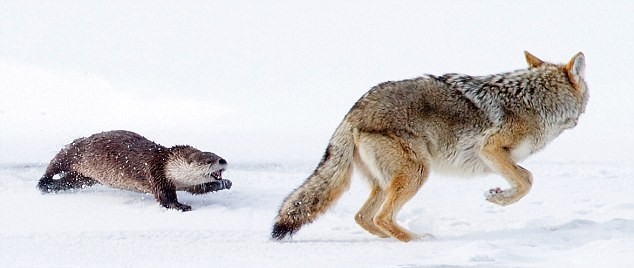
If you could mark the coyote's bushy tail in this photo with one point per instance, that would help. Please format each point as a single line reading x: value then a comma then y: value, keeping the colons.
x: 322, y: 189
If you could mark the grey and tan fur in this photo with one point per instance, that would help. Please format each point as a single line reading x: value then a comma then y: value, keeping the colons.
x: 126, y: 160
x: 455, y: 124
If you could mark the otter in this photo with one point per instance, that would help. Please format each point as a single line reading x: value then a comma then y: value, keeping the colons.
x: 126, y: 160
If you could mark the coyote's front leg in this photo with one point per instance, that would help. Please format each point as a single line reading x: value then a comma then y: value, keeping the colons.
x: 498, y: 156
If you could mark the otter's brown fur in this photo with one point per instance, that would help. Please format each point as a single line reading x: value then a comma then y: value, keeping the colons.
x: 127, y: 160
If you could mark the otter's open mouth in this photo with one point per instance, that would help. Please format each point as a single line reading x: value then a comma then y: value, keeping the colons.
x: 217, y: 174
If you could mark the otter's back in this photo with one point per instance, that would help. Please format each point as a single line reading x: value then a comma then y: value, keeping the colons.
x: 119, y: 158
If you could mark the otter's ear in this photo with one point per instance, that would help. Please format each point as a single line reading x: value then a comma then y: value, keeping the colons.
x: 532, y: 60
x: 576, y: 67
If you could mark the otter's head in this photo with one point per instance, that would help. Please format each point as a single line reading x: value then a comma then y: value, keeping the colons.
x: 188, y: 166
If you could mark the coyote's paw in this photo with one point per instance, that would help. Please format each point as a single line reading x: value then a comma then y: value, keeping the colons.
x: 500, y: 197
x: 424, y: 237
x: 410, y: 237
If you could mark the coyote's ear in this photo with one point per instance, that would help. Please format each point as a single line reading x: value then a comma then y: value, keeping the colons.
x: 575, y: 70
x: 532, y: 60
x: 577, y: 66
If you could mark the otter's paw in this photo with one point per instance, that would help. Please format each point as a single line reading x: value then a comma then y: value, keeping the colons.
x: 225, y: 184
x: 500, y: 197
x: 178, y: 206
x: 218, y: 185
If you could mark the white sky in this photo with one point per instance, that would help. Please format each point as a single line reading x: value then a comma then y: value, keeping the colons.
x: 269, y: 81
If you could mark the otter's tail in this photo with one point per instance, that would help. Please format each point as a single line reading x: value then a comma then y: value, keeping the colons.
x: 46, y: 184
x: 322, y: 189
x: 58, y: 165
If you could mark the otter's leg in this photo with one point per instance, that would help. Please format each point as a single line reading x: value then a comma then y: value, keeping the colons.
x: 167, y: 198
x: 165, y: 193
x: 56, y: 166
x: 67, y: 181
x: 211, y: 186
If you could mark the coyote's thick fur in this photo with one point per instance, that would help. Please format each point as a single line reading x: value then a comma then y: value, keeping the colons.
x: 457, y: 124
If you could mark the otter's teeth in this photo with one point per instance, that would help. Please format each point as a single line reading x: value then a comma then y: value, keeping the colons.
x: 217, y: 175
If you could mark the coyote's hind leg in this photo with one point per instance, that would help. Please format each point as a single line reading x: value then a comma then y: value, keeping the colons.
x: 365, y: 216
x: 403, y: 165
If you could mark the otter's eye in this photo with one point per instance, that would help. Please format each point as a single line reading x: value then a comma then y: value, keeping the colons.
x: 209, y: 162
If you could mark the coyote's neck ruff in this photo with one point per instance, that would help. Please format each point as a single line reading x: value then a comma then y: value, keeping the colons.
x: 458, y: 124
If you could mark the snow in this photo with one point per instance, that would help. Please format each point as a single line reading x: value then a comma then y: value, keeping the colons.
x: 578, y: 215
x: 264, y: 84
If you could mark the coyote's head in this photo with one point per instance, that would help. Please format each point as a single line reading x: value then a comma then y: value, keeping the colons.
x: 574, y: 71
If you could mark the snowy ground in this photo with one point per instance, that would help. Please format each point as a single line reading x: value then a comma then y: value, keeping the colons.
x: 577, y: 215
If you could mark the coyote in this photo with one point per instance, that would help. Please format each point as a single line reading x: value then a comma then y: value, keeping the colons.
x: 454, y: 124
